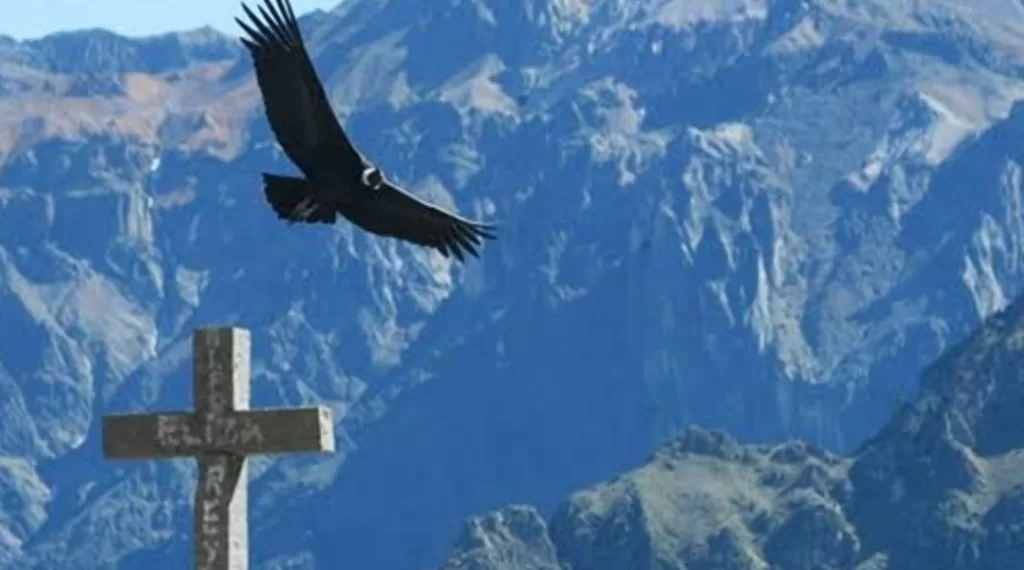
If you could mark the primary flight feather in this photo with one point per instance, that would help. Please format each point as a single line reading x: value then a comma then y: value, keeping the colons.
x: 338, y: 179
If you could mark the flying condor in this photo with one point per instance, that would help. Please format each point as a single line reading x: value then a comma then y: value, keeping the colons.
x: 338, y: 179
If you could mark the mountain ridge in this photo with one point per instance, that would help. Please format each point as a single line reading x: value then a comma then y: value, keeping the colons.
x: 927, y: 491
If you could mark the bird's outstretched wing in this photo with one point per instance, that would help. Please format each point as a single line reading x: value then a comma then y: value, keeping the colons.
x: 296, y: 105
x: 393, y: 212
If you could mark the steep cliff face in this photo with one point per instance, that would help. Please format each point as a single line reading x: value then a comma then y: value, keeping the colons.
x: 938, y: 487
x: 760, y: 217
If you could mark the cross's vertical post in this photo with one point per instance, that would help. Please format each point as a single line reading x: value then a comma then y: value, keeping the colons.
x: 220, y: 386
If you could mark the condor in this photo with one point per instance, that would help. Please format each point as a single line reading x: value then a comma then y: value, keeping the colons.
x: 338, y: 179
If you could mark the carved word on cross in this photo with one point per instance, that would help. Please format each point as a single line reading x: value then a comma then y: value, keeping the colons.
x: 220, y: 434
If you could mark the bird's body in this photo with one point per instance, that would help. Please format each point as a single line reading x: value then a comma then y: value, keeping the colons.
x: 338, y: 179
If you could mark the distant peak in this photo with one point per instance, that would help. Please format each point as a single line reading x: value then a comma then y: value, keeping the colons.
x: 699, y: 441
x: 99, y: 50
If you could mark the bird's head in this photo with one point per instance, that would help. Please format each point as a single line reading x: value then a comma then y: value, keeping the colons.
x: 373, y: 178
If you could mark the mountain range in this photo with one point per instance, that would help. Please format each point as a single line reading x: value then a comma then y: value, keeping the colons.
x: 763, y: 218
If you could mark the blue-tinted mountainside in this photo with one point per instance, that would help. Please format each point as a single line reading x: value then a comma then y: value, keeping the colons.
x: 938, y: 488
x: 760, y: 217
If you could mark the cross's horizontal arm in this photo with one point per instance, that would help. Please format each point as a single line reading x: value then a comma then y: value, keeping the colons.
x: 165, y: 435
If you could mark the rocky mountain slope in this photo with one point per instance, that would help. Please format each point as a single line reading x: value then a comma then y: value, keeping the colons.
x: 760, y: 217
x: 939, y: 487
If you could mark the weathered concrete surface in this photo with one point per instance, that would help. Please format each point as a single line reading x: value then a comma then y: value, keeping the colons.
x: 181, y: 434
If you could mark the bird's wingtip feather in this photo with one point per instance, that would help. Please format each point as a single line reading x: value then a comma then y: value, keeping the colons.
x: 487, y: 231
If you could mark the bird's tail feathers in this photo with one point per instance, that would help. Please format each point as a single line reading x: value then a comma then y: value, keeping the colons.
x: 294, y: 199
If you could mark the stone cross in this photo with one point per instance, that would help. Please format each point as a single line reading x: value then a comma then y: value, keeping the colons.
x: 220, y: 434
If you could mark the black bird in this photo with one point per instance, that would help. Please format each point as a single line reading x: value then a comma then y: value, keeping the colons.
x: 338, y: 178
